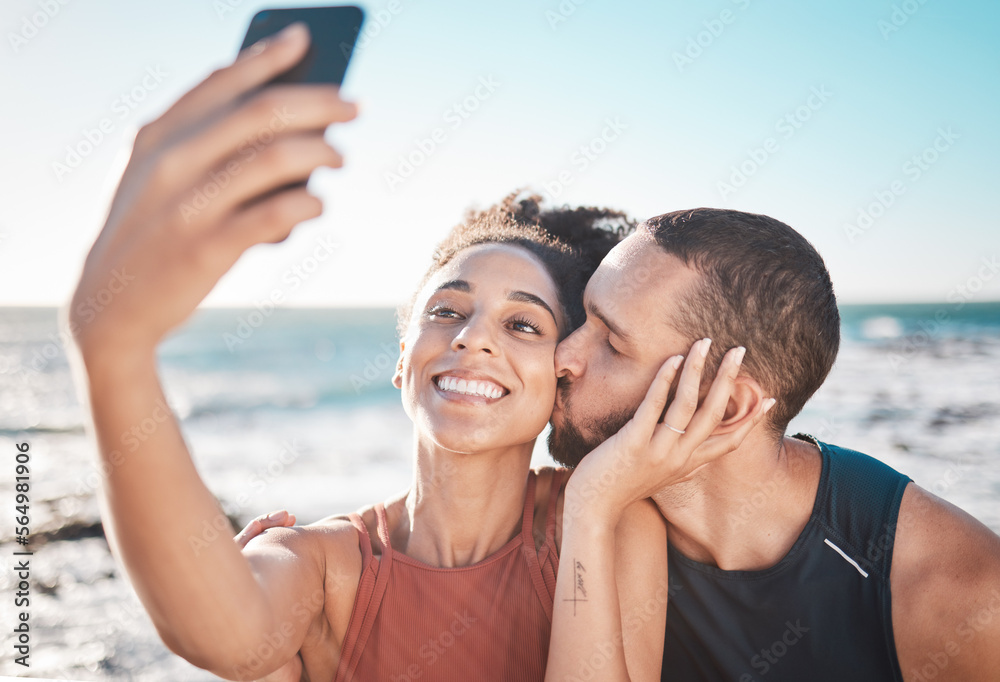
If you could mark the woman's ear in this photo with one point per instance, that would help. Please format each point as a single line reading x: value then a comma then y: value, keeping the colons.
x: 744, y: 401
x: 397, y: 376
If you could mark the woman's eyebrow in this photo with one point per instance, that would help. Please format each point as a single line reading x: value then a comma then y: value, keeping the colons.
x: 525, y: 297
x: 516, y: 296
x: 455, y: 285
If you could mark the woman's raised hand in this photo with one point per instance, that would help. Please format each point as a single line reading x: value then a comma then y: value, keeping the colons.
x: 655, y: 449
x: 222, y: 169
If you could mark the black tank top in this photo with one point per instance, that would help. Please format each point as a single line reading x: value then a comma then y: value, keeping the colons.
x: 823, y: 612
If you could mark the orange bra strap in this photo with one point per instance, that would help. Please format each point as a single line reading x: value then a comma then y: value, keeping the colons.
x: 371, y: 589
x: 383, y: 533
x: 364, y: 540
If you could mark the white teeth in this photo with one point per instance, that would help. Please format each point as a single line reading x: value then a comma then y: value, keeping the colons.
x: 487, y: 389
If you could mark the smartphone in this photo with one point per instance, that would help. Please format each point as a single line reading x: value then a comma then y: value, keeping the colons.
x: 333, y: 32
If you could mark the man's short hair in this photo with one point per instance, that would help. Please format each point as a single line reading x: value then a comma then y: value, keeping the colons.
x: 762, y: 286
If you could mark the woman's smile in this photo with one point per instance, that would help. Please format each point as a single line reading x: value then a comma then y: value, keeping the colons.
x: 477, y: 366
x: 462, y: 385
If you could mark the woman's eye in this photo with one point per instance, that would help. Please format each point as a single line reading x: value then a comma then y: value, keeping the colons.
x: 524, y: 326
x: 611, y: 349
x: 441, y: 311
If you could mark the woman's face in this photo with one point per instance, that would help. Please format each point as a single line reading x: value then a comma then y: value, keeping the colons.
x: 476, y: 365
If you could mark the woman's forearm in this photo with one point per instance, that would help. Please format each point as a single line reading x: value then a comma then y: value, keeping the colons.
x: 586, y: 621
x: 162, y: 520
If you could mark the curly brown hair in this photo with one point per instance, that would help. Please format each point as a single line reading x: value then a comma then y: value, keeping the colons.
x: 570, y: 243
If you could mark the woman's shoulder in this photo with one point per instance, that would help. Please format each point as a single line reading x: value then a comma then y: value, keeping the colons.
x: 337, y: 537
x: 331, y: 544
x: 341, y: 531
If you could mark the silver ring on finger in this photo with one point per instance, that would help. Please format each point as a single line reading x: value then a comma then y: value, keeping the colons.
x: 674, y: 428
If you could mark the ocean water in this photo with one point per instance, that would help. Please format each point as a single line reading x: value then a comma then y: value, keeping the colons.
x: 294, y: 409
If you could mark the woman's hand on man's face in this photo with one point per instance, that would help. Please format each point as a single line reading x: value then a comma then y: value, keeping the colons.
x: 206, y: 180
x: 650, y: 453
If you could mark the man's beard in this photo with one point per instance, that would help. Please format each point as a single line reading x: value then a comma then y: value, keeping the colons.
x: 568, y: 446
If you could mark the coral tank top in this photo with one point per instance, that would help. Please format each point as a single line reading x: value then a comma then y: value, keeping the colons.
x: 488, y: 621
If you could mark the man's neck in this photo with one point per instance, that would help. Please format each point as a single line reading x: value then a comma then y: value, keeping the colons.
x: 745, y: 510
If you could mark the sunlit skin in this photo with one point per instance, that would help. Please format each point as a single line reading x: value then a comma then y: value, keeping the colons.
x: 210, y: 602
x: 945, y: 564
x: 485, y: 317
x: 606, y: 365
x: 491, y: 314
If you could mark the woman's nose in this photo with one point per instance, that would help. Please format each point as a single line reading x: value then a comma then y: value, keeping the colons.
x: 476, y: 335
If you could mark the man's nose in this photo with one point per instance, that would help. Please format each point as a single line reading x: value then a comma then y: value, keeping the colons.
x: 569, y: 357
x: 475, y: 335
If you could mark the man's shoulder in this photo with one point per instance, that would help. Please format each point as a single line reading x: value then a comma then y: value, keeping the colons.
x: 856, y: 492
x: 848, y: 459
x: 945, y: 589
x: 935, y: 540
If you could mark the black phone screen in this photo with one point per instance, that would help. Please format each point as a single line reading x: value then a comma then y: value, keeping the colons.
x: 333, y: 31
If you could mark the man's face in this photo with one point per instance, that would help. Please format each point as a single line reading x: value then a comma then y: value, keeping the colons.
x: 606, y: 366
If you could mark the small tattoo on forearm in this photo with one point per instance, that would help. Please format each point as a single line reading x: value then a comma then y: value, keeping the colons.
x: 579, y: 589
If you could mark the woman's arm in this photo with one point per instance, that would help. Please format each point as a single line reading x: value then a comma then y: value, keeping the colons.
x: 160, y: 252
x: 209, y: 603
x: 610, y: 611
x: 611, y: 598
x: 612, y: 565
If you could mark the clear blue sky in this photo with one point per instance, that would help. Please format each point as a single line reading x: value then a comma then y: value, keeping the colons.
x: 824, y: 105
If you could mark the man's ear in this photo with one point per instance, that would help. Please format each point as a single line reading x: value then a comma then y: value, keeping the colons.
x: 744, y: 401
x: 397, y: 376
